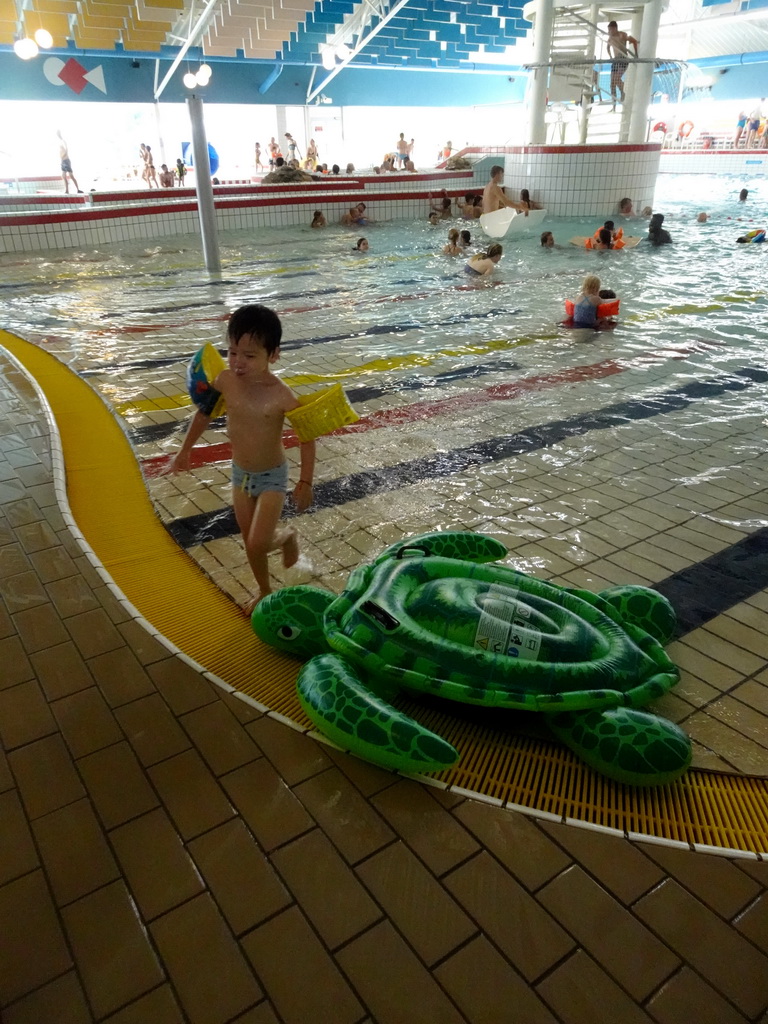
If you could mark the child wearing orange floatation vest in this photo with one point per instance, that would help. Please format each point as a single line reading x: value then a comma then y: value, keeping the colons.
x: 592, y: 305
x: 617, y: 234
x: 603, y: 240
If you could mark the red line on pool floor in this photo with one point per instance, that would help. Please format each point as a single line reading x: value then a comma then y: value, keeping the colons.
x: 221, y: 452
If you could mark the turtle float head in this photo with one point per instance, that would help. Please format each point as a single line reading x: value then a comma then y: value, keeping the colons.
x: 292, y: 620
x: 645, y: 608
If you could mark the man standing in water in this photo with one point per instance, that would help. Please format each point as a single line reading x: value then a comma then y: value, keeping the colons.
x: 493, y: 194
x: 618, y: 44
x: 66, y: 166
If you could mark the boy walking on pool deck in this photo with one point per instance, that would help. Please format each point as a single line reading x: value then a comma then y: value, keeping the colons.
x: 257, y: 402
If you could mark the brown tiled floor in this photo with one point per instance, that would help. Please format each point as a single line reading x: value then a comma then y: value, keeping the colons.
x: 168, y: 854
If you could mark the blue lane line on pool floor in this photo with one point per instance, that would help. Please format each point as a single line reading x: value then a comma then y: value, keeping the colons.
x: 415, y: 382
x: 363, y: 332
x: 698, y: 593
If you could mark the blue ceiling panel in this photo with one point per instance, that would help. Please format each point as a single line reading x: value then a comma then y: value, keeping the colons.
x: 424, y: 33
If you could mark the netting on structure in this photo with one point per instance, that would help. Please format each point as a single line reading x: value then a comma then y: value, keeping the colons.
x: 586, y: 82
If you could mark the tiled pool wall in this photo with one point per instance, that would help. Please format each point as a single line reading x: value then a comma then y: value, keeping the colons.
x: 568, y: 180
x: 31, y: 223
x: 745, y: 162
x: 579, y: 181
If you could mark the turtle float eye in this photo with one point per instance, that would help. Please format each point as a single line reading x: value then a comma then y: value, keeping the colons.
x: 288, y: 632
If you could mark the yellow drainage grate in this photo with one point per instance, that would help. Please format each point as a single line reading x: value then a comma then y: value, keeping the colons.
x: 113, y: 511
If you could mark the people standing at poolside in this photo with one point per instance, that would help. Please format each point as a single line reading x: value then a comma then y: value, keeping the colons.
x: 293, y: 150
x: 402, y: 149
x: 493, y: 194
x: 741, y: 124
x: 484, y: 263
x: 181, y: 171
x: 312, y: 154
x: 66, y: 166
x: 150, y: 174
x: 753, y: 125
x: 618, y: 44
x: 257, y: 158
x: 274, y: 151
x: 257, y: 402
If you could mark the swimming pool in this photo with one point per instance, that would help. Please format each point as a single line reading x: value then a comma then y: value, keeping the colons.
x: 627, y: 456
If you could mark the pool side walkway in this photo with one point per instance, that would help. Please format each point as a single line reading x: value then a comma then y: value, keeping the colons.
x: 169, y: 854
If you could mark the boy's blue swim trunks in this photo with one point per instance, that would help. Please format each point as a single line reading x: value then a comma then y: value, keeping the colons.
x: 255, y: 484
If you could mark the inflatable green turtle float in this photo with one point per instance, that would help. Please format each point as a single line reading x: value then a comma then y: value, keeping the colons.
x: 428, y: 616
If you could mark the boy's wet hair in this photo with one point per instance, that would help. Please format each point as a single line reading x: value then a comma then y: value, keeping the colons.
x: 260, y: 323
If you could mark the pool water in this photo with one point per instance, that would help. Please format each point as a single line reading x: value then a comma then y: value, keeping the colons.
x: 598, y: 458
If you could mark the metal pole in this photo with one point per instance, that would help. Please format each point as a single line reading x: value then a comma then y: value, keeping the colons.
x: 544, y: 17
x: 649, y: 37
x: 205, y: 208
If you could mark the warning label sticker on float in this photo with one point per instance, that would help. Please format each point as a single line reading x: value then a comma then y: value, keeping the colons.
x: 504, y: 625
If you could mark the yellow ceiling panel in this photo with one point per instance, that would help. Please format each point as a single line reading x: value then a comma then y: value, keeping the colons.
x: 161, y: 5
x: 57, y: 24
x: 88, y: 21
x: 7, y: 10
x: 141, y: 45
x: 149, y: 26
x: 105, y: 10
x: 55, y: 6
x: 132, y: 32
x: 7, y: 32
x: 95, y: 39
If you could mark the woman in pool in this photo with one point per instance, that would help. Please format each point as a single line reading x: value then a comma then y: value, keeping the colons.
x: 453, y: 248
x: 483, y: 263
x: 548, y: 241
x: 362, y: 245
x: 318, y: 221
x: 356, y: 215
x: 526, y: 202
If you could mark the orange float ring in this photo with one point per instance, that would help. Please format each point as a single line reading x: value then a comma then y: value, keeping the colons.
x: 685, y: 129
x: 661, y: 127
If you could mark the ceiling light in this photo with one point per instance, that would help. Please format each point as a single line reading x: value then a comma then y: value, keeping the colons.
x: 328, y: 58
x: 190, y: 80
x: 343, y: 52
x: 26, y: 48
x: 204, y: 73
x: 43, y: 38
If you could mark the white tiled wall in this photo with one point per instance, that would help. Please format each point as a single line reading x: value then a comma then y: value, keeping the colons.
x: 746, y: 164
x: 585, y: 180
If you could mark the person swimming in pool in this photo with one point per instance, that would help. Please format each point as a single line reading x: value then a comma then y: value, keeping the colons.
x: 484, y: 263
x: 318, y: 221
x: 362, y: 245
x: 453, y: 248
x: 356, y: 215
x: 465, y: 239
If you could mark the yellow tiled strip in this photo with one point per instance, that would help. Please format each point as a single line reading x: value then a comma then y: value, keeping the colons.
x: 113, y: 512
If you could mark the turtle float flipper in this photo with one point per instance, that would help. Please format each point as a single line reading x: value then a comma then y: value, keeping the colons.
x: 352, y: 715
x: 625, y: 744
x: 464, y: 545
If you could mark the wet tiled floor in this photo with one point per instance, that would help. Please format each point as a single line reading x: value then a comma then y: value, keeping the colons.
x: 169, y: 854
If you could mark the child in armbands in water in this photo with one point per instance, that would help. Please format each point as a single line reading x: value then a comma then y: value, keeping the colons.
x: 585, y: 305
x: 257, y: 402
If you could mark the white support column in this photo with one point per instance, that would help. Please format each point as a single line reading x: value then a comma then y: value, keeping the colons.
x: 544, y: 17
x: 641, y: 98
x: 587, y: 92
x: 205, y: 208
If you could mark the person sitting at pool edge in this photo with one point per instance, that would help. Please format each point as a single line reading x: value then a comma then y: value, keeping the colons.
x: 362, y: 245
x: 318, y: 221
x: 483, y: 263
x: 657, y: 235
x: 586, y: 303
x: 453, y: 248
x: 625, y: 208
